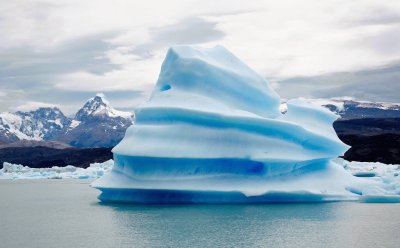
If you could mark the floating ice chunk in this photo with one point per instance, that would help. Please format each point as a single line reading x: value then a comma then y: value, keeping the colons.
x: 16, y: 171
x: 386, y: 178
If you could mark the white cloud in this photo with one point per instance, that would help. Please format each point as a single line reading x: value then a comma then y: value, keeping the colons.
x: 2, y: 95
x: 32, y: 105
x: 278, y: 25
x: 134, y: 74
x: 291, y: 38
x: 280, y: 39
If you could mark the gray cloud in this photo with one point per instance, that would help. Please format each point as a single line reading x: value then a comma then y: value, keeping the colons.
x: 378, y: 84
x: 27, y: 68
x: 296, y: 41
x: 33, y: 73
x: 386, y: 43
x: 378, y: 15
x: 30, y: 74
x: 187, y: 31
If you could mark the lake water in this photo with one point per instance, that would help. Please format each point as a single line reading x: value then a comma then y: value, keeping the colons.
x: 66, y: 213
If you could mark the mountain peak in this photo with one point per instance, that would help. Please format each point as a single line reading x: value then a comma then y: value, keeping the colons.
x: 101, y: 95
x: 43, y: 111
x: 97, y: 124
x: 99, y: 106
x: 40, y: 124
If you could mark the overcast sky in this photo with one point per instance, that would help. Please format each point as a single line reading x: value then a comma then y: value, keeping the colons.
x: 63, y: 52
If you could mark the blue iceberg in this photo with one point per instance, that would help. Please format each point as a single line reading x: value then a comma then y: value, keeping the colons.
x: 212, y: 132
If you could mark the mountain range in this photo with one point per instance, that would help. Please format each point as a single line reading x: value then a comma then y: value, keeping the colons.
x: 349, y: 108
x: 46, y: 136
x: 96, y: 124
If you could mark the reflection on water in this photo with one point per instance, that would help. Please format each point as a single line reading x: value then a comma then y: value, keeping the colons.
x: 280, y: 225
x: 225, y: 225
x: 66, y: 214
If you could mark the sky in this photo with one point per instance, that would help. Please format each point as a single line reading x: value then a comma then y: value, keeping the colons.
x: 60, y: 53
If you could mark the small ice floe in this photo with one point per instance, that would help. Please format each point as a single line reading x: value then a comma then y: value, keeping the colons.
x: 17, y: 171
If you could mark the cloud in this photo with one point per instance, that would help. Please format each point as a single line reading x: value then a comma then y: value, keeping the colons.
x: 386, y: 43
x: 76, y: 48
x: 378, y: 84
x: 306, y: 39
x: 374, y: 13
x: 28, y: 69
x: 194, y: 30
x: 10, y: 98
x: 2, y: 95
x: 138, y: 66
x: 32, y: 105
x: 135, y: 74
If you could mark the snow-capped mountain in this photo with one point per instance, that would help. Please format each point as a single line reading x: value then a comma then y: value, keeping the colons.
x: 349, y: 108
x: 99, y: 107
x: 96, y: 124
x: 41, y: 124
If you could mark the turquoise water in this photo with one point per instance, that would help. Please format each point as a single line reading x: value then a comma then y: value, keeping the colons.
x: 66, y: 213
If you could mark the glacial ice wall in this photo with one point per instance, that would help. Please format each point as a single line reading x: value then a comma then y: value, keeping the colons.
x: 212, y: 132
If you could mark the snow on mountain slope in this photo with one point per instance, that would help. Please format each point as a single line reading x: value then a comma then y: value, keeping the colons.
x: 41, y: 124
x: 349, y: 108
x: 99, y: 106
x: 96, y: 124
x: 10, y: 125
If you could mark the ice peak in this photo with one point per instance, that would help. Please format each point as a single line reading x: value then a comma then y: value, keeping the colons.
x: 214, y: 75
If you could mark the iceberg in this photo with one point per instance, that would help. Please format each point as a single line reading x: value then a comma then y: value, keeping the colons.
x: 212, y: 132
x: 17, y: 171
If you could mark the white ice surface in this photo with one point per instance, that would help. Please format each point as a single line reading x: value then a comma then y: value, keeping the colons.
x: 16, y: 171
